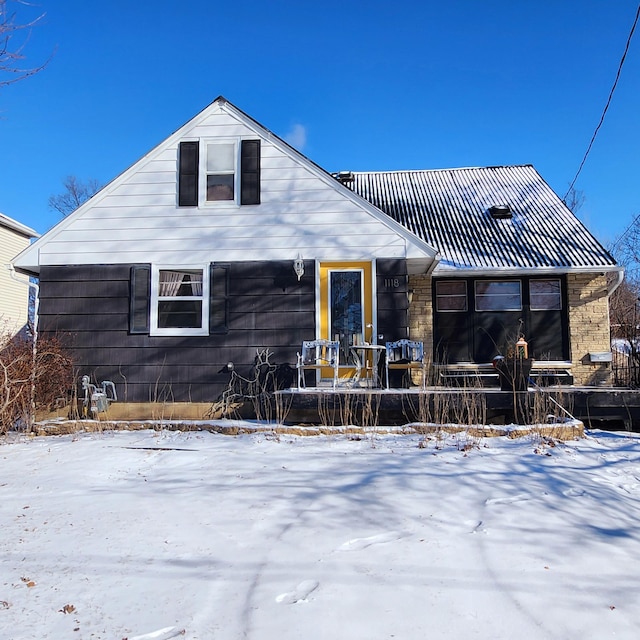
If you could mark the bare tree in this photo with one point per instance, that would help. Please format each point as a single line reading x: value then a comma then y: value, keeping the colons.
x: 624, y: 307
x: 14, y: 36
x: 627, y: 249
x: 574, y: 199
x: 624, y: 310
x: 76, y: 193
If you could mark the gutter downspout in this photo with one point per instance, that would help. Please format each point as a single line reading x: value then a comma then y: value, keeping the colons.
x: 617, y: 283
x: 434, y: 264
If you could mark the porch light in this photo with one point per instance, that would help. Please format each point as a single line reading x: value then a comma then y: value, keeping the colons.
x: 298, y: 266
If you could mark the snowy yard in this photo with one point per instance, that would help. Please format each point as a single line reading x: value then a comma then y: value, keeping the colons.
x: 203, y: 536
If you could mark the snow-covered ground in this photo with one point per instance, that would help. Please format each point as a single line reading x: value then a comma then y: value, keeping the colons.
x: 204, y: 536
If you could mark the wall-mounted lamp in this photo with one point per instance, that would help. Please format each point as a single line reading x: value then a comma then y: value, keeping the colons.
x: 298, y: 266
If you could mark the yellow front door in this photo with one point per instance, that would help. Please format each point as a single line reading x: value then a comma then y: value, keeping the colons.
x: 346, y: 307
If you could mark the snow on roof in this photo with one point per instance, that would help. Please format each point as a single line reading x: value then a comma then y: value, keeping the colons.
x: 450, y: 209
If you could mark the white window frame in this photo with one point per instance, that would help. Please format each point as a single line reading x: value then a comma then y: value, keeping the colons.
x: 202, y: 177
x: 203, y: 329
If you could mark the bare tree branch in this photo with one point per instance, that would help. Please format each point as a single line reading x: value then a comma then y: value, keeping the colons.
x: 76, y: 193
x: 14, y: 37
x: 574, y: 199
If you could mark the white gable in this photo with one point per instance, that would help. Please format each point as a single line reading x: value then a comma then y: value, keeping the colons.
x: 303, y: 210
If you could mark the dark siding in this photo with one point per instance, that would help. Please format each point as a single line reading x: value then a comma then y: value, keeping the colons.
x: 267, y: 309
x: 392, y: 299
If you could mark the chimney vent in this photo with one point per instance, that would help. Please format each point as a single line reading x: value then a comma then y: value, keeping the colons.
x: 344, y: 177
x: 500, y: 211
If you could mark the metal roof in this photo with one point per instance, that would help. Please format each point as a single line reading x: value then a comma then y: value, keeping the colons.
x: 449, y: 209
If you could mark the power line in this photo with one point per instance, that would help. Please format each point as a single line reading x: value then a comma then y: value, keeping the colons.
x: 606, y: 108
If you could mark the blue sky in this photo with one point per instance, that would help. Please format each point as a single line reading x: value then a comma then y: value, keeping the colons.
x: 355, y: 86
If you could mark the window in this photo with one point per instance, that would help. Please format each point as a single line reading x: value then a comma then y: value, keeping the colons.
x: 179, y: 301
x: 544, y: 295
x: 225, y: 171
x: 220, y: 171
x: 498, y: 295
x: 451, y: 295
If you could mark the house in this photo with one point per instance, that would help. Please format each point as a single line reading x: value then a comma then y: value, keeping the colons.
x: 14, y: 291
x: 224, y: 241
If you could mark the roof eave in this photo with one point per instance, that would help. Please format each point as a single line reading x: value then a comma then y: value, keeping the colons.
x: 523, y: 271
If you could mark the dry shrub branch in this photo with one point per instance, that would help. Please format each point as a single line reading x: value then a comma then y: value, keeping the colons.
x: 31, y: 379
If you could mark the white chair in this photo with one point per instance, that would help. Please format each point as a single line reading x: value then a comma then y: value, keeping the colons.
x: 318, y: 354
x: 407, y: 355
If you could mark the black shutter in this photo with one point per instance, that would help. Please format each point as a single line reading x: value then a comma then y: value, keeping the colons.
x: 139, y: 299
x: 250, y: 172
x: 218, y: 298
x: 188, y: 174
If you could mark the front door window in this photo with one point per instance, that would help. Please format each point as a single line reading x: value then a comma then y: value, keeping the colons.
x: 346, y: 313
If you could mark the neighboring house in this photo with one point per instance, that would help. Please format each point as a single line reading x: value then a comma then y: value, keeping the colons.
x: 14, y: 291
x: 185, y: 262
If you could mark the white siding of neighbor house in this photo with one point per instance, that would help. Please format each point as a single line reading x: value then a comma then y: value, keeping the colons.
x: 14, y: 295
x: 302, y: 211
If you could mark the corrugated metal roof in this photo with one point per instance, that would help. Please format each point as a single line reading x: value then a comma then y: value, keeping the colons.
x: 449, y: 209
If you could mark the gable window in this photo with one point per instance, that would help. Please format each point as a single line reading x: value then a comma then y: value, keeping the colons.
x: 179, y: 301
x: 218, y: 171
x: 544, y: 295
x: 498, y: 295
x: 451, y: 295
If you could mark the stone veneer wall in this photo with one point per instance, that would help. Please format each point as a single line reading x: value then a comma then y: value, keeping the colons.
x: 421, y: 312
x: 588, y: 326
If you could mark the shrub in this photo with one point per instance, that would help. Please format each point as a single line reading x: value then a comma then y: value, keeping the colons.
x: 31, y: 380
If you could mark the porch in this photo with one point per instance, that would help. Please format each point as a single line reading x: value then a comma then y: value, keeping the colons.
x: 596, y: 407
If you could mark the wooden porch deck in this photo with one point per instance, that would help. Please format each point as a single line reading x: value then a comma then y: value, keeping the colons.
x: 596, y: 407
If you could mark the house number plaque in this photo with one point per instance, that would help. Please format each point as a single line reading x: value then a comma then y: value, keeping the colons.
x: 393, y: 283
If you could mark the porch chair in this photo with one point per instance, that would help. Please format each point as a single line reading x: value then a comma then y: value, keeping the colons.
x: 407, y: 355
x: 317, y: 354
